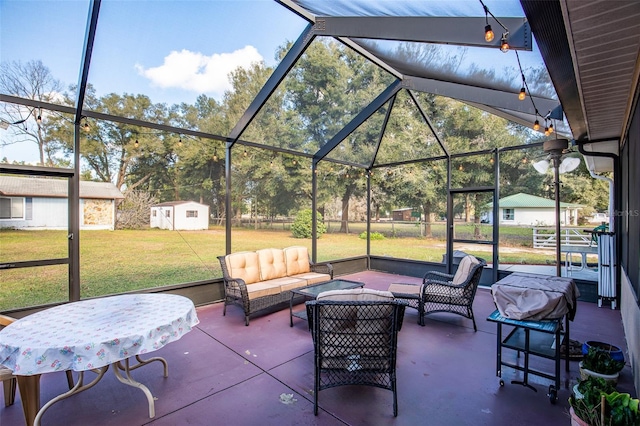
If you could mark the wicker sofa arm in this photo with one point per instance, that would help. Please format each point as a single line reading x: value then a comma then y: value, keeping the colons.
x: 322, y: 268
x: 233, y: 285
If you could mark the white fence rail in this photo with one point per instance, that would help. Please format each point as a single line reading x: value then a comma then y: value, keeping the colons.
x: 546, y: 237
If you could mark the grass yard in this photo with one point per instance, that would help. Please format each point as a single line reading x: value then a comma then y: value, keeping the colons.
x: 126, y: 260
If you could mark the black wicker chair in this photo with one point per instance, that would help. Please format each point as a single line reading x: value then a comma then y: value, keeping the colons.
x: 355, y: 343
x: 452, y: 293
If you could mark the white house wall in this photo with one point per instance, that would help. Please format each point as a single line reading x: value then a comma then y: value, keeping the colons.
x: 52, y: 213
x: 539, y: 217
x: 182, y: 222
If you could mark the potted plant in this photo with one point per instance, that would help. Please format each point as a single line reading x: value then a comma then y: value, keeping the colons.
x: 597, y: 403
x: 599, y: 362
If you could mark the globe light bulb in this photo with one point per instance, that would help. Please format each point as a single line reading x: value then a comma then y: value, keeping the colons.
x: 488, y: 34
x: 504, y: 45
x: 536, y: 125
x: 522, y: 94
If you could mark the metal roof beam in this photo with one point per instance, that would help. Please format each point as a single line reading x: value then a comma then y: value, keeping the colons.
x: 481, y: 95
x: 462, y: 31
x: 272, y: 83
x: 380, y: 100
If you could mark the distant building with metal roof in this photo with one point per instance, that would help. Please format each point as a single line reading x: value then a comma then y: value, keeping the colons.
x: 531, y: 210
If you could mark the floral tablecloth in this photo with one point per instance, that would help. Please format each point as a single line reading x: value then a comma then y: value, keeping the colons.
x: 93, y: 333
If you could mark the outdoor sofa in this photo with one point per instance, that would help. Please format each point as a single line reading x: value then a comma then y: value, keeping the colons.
x: 257, y: 280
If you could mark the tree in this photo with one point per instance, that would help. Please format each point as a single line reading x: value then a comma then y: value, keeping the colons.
x: 134, y: 210
x: 31, y: 80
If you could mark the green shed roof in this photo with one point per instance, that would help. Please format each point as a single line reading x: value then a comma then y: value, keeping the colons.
x: 531, y: 201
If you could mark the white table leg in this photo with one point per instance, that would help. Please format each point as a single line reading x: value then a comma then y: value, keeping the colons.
x: 142, y: 362
x: 79, y: 387
x: 131, y: 382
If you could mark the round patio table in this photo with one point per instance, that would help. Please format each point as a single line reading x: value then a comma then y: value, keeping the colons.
x: 92, y: 335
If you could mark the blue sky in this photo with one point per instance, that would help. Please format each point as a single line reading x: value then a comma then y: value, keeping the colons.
x: 169, y: 50
x: 174, y: 50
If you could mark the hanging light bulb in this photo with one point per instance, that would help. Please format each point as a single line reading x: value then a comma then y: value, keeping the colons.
x: 504, y: 45
x: 522, y: 94
x: 215, y: 154
x: 180, y: 142
x: 86, y: 125
x: 550, y: 127
x: 536, y: 125
x: 245, y: 153
x: 546, y: 131
x: 39, y: 119
x: 488, y: 34
x: 136, y: 143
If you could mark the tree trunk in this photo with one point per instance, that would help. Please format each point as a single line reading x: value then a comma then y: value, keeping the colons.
x: 467, y: 208
x: 427, y: 221
x: 344, y: 224
x: 477, y: 235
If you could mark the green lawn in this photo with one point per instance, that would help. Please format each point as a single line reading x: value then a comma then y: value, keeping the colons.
x: 118, y: 261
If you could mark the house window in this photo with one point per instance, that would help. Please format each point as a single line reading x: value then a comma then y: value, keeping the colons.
x: 11, y: 208
x: 508, y: 214
x: 192, y: 213
x: 168, y: 213
x: 153, y: 213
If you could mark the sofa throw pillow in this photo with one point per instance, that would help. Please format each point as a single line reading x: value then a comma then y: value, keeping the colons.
x: 272, y: 264
x: 297, y: 259
x: 244, y: 265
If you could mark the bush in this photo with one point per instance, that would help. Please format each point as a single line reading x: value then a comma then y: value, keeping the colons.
x: 374, y: 236
x: 301, y: 227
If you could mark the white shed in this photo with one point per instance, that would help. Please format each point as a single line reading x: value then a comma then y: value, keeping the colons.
x: 530, y: 210
x: 42, y: 203
x: 180, y: 216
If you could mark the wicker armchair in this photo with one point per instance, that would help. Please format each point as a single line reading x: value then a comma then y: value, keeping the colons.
x: 355, y: 343
x: 452, y: 293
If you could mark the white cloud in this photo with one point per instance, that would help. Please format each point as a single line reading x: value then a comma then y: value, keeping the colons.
x: 199, y: 73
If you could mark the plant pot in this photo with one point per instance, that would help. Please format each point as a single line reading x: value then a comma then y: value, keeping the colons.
x: 575, y: 420
x: 584, y: 373
x: 576, y: 392
x: 615, y: 352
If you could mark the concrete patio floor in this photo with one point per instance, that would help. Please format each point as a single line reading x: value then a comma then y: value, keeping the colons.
x: 225, y: 373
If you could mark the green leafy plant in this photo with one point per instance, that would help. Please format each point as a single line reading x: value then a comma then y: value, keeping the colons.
x: 600, y: 361
x: 302, y: 225
x: 602, y: 405
x: 374, y: 236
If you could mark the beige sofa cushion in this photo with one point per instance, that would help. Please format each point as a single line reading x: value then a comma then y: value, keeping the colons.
x: 287, y: 283
x: 313, y: 277
x: 272, y: 264
x: 464, y: 269
x: 297, y: 258
x: 244, y: 265
x: 264, y: 288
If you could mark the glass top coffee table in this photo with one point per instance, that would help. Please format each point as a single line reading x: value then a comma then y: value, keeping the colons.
x: 312, y: 291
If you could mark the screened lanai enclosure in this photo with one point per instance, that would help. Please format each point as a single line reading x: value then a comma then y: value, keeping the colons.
x: 383, y: 135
